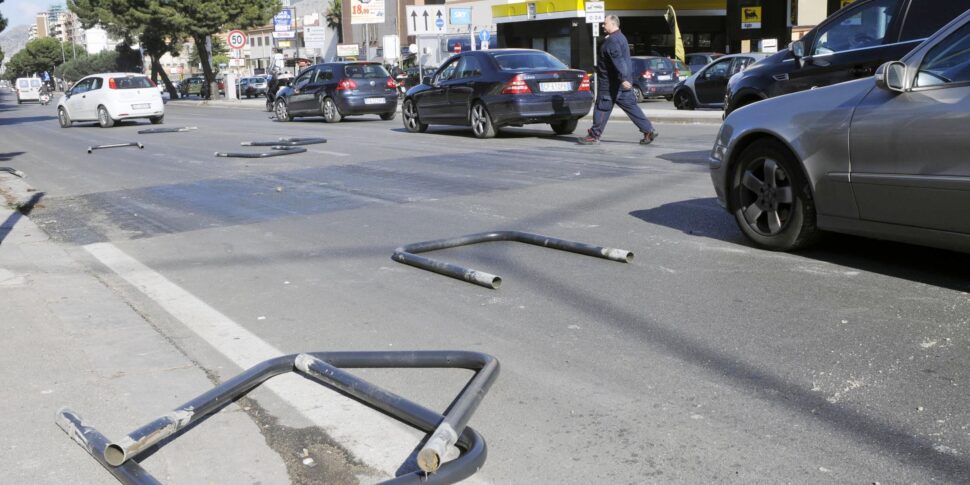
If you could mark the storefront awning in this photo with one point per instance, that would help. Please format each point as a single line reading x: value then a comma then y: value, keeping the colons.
x: 559, y: 9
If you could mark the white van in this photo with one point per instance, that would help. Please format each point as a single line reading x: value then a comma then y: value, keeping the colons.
x: 28, y: 89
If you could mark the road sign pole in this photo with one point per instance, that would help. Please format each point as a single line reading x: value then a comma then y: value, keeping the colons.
x: 596, y: 81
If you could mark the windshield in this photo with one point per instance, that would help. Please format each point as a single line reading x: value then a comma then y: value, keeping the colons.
x: 134, y: 82
x: 522, y: 61
x: 365, y: 71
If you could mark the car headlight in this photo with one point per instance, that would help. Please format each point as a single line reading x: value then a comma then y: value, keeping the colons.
x: 717, y: 153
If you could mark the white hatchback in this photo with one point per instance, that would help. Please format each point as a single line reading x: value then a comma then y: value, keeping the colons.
x: 111, y: 97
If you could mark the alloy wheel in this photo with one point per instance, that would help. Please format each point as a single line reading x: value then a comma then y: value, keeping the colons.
x: 281, y: 113
x: 329, y: 109
x: 767, y: 199
x: 410, y: 116
x: 479, y: 119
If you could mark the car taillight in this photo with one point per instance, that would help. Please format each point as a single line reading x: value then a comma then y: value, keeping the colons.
x: 648, y: 73
x: 391, y: 83
x: 676, y: 72
x: 517, y: 86
x: 346, y: 85
x: 584, y: 84
x: 112, y: 84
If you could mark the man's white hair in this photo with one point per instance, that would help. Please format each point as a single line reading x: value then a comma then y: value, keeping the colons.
x: 612, y: 18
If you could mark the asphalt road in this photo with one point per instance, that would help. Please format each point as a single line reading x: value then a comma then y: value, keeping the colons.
x: 704, y: 360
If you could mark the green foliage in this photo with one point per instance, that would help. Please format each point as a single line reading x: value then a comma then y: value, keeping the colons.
x: 3, y: 25
x: 334, y: 18
x: 219, y: 49
x: 72, y: 71
x: 41, y: 55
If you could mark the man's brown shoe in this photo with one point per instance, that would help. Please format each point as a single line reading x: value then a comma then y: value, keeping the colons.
x: 588, y: 140
x: 648, y: 138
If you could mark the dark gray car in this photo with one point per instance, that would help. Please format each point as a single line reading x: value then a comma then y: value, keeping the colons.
x: 882, y: 157
x: 338, y: 89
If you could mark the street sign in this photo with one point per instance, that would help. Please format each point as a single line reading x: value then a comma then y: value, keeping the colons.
x: 315, y: 37
x: 366, y: 12
x: 750, y: 17
x: 426, y: 19
x: 484, y: 36
x: 392, y: 47
x: 457, y: 48
x: 460, y: 16
x: 283, y: 25
x: 595, y: 12
x: 348, y: 50
x: 236, y: 39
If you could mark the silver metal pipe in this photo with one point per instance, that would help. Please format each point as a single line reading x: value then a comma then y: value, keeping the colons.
x: 277, y: 151
x: 95, y: 443
x: 167, y: 130
x: 284, y: 142
x: 116, y: 145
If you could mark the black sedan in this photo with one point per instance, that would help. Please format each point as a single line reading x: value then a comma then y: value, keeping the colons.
x: 503, y: 87
x: 338, y: 89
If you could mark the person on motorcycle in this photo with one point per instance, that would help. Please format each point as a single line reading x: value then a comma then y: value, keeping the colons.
x: 44, y: 96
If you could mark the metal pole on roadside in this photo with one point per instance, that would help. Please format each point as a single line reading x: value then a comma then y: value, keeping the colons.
x: 596, y: 33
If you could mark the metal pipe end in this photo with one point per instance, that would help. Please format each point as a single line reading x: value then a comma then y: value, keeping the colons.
x: 429, y: 458
x: 303, y: 361
x: 429, y: 461
x: 90, y: 150
x: 482, y: 278
x: 141, y: 147
x: 621, y: 255
x: 115, y: 455
x: 246, y: 143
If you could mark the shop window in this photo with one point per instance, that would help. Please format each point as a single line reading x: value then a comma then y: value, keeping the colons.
x: 561, y: 47
x: 539, y: 43
x: 704, y: 41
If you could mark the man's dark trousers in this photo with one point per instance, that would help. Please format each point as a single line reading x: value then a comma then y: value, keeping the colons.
x: 605, y: 99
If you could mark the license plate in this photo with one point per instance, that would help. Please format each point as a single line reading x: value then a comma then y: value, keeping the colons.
x: 555, y: 87
x: 141, y: 106
x: 664, y: 77
x: 374, y: 100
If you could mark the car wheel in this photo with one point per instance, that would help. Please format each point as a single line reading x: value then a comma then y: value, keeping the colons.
x: 330, y: 112
x: 157, y: 120
x: 410, y: 115
x: 482, y: 124
x: 105, y: 119
x: 772, y: 202
x: 638, y: 94
x: 63, y: 118
x: 683, y: 100
x: 389, y: 116
x: 565, y: 127
x: 281, y: 112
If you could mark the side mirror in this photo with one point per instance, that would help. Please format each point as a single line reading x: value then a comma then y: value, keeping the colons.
x: 891, y: 76
x: 797, y: 49
x: 428, y: 81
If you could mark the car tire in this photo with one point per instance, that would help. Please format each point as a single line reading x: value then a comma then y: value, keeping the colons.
x: 331, y: 114
x: 104, y: 118
x: 409, y: 113
x: 157, y: 120
x: 63, y: 118
x: 482, y: 125
x: 683, y: 100
x: 638, y: 94
x: 771, y: 198
x: 565, y: 127
x: 281, y: 111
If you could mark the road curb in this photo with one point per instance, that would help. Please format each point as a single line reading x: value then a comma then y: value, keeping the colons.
x: 17, y: 193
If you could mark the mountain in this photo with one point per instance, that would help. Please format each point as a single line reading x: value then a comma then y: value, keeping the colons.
x: 12, y: 40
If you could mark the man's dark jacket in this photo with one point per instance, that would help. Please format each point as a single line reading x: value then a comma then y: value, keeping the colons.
x: 614, y: 64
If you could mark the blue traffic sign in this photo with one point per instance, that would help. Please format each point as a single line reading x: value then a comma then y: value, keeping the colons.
x: 484, y: 35
x: 439, y: 23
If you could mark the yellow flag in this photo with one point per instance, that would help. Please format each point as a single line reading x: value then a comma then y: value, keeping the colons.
x: 671, y: 17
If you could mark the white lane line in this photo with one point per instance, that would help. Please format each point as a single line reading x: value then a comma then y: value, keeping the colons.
x: 372, y: 437
x: 324, y: 152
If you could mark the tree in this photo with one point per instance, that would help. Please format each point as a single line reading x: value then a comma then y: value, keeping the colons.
x: 39, y: 55
x: 219, y: 53
x: 334, y: 18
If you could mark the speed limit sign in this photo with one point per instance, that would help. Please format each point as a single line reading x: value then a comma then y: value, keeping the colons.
x: 236, y: 39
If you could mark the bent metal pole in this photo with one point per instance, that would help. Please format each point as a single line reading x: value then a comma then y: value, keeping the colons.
x: 407, y: 254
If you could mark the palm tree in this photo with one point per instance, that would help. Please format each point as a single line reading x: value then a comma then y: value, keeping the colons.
x: 334, y: 18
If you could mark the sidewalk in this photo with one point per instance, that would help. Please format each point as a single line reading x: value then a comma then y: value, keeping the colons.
x: 70, y: 340
x: 658, y: 111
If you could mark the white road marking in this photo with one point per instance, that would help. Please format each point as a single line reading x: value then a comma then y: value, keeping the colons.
x: 325, y: 152
x: 372, y: 437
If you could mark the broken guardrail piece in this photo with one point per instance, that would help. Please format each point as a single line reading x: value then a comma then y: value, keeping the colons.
x: 407, y: 254
x: 167, y: 130
x: 449, y: 429
x: 289, y: 142
x: 117, y: 145
x: 13, y: 171
x: 277, y: 151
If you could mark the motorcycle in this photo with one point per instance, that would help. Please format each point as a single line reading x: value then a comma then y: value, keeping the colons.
x: 276, y: 82
x: 45, y: 98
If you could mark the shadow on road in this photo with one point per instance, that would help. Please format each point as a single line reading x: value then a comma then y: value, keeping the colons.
x: 25, y: 119
x: 9, y: 156
x: 695, y: 158
x: 23, y: 211
x: 937, y: 267
x: 503, y: 133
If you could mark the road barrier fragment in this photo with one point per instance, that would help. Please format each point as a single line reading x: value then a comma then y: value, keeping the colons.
x: 277, y: 151
x: 13, y: 171
x: 289, y: 142
x: 449, y: 429
x: 167, y: 130
x: 407, y: 254
x: 116, y: 145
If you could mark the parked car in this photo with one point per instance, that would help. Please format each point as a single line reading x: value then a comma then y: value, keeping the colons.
x: 109, y: 98
x: 654, y: 77
x: 848, y: 45
x: 705, y: 88
x: 697, y: 60
x: 500, y: 87
x: 255, y: 86
x: 193, y: 85
x: 338, y: 89
x: 414, y: 75
x: 681, y: 70
x: 880, y: 157
x: 221, y: 83
x: 28, y: 89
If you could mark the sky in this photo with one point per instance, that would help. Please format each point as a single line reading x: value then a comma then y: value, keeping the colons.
x: 23, y: 11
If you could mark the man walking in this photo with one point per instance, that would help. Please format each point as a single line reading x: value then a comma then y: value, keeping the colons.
x: 614, y: 74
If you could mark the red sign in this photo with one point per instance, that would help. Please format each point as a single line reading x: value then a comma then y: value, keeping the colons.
x: 236, y: 39
x: 457, y: 47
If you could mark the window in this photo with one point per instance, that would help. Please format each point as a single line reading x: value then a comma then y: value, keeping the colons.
x: 448, y: 72
x: 326, y: 74
x: 947, y: 62
x: 304, y: 79
x: 96, y: 83
x: 861, y: 27
x: 740, y: 64
x: 252, y: 42
x: 469, y: 67
x: 365, y: 71
x: 259, y: 41
x: 133, y: 82
x: 561, y: 48
x: 35, y: 83
x: 82, y: 86
x: 519, y: 61
x: 927, y: 16
x: 718, y: 70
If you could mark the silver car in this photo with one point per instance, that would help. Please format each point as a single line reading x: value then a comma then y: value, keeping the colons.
x: 883, y: 157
